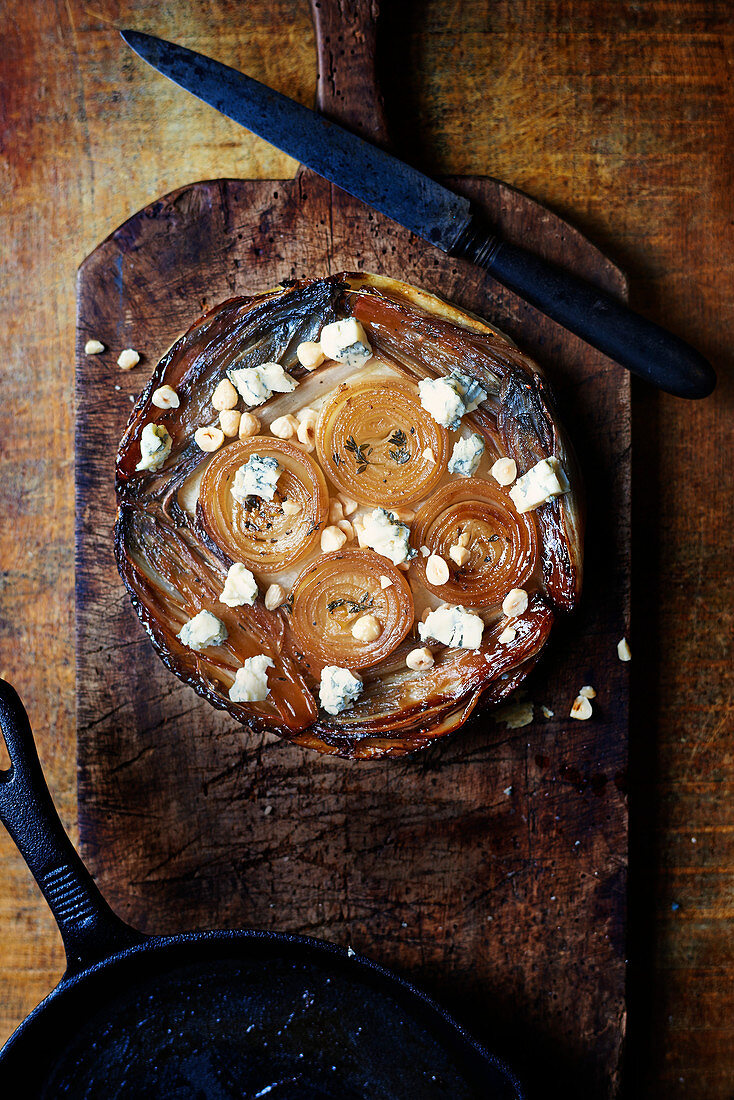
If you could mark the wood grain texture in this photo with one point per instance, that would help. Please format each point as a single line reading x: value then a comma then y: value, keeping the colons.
x: 450, y: 867
x: 620, y: 118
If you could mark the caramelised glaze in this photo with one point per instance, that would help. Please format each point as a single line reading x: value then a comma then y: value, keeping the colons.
x: 355, y: 587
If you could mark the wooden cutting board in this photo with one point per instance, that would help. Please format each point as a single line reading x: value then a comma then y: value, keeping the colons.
x: 491, y: 869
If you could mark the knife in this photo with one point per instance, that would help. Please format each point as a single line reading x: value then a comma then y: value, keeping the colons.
x: 432, y: 212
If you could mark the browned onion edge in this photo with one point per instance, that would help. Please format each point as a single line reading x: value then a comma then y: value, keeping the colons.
x: 327, y: 737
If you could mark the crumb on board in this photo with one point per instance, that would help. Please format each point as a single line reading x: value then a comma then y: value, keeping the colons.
x: 93, y: 347
x: 127, y: 359
x: 515, y: 715
x: 581, y: 708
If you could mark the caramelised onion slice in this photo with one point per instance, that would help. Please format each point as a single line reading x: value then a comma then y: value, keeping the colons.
x: 258, y: 532
x: 335, y: 592
x: 502, y: 544
x: 174, y: 556
x: 378, y: 444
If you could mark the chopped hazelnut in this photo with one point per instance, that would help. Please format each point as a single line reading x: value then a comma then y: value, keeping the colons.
x: 345, y: 526
x: 437, y: 571
x: 425, y: 551
x: 419, y: 659
x: 504, y: 471
x: 229, y: 422
x: 366, y: 628
x: 309, y: 354
x: 284, y: 427
x: 290, y: 508
x: 332, y: 539
x: 464, y: 539
x: 508, y: 635
x: 581, y: 708
x: 225, y: 396
x: 127, y: 359
x: 336, y: 510
x: 93, y: 347
x: 385, y: 582
x: 165, y: 397
x: 623, y: 650
x: 347, y: 504
x: 587, y: 692
x: 275, y: 596
x: 459, y: 554
x: 249, y: 425
x: 429, y: 456
x: 209, y: 439
x: 515, y: 603
x: 307, y: 419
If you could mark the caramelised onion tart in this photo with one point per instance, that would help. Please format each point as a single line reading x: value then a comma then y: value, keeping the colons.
x: 347, y: 513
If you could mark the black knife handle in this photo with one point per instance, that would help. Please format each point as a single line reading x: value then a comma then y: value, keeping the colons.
x: 640, y: 345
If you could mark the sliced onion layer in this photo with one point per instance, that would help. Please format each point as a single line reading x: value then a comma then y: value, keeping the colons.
x: 336, y: 590
x: 258, y: 532
x: 378, y: 444
x: 502, y: 545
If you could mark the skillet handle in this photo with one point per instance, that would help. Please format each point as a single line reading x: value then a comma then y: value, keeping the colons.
x: 89, y: 928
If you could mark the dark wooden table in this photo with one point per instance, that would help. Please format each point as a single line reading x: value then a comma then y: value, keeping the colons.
x: 620, y: 118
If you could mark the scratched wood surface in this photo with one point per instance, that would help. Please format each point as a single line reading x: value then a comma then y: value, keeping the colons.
x: 620, y: 118
x: 452, y: 866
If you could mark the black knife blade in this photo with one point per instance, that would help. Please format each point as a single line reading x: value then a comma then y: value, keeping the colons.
x: 377, y: 178
x: 434, y: 213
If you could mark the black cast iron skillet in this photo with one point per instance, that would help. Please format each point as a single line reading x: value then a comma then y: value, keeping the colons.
x: 212, y: 1015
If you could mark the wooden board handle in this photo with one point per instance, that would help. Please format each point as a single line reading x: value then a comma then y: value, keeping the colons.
x: 347, y: 88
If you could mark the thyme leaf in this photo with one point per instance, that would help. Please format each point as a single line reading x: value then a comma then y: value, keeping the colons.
x: 352, y: 606
x: 401, y: 456
x: 360, y: 451
x: 398, y: 438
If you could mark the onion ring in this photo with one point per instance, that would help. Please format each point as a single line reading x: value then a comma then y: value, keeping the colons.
x: 373, y: 440
x: 337, y: 589
x: 258, y: 532
x: 502, y: 545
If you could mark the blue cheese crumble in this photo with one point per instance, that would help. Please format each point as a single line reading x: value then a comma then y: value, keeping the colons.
x: 453, y: 626
x: 251, y: 681
x: 466, y: 455
x: 155, y: 447
x: 387, y: 536
x: 202, y: 631
x: 472, y: 392
x: 346, y: 342
x: 256, y: 384
x: 240, y: 586
x: 543, y: 481
x: 447, y: 399
x: 257, y: 478
x: 339, y: 689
